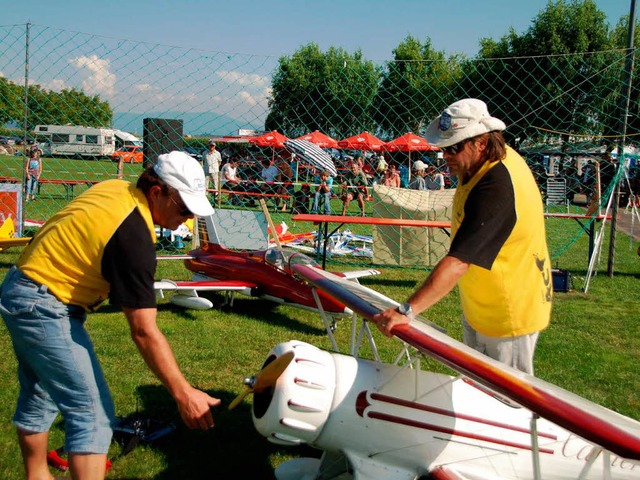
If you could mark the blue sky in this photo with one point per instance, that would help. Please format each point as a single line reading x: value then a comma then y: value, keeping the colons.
x: 210, y: 62
x: 280, y: 27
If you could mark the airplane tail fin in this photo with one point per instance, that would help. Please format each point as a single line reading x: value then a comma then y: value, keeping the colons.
x: 8, y: 229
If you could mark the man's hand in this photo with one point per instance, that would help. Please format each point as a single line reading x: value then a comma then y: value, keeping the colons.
x: 195, y: 409
x: 388, y: 319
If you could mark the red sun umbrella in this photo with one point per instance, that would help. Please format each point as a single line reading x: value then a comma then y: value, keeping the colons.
x: 362, y: 141
x: 272, y: 139
x: 320, y: 139
x: 408, y: 142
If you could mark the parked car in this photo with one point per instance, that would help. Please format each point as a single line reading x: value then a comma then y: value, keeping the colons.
x: 128, y: 154
x: 6, y: 140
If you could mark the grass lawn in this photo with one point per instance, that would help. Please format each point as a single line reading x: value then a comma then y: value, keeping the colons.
x: 592, y: 348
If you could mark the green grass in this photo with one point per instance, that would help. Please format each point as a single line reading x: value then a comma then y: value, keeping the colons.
x: 592, y: 348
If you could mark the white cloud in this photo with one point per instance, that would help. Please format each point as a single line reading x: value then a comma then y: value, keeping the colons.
x: 55, y: 85
x: 245, y: 79
x: 97, y: 79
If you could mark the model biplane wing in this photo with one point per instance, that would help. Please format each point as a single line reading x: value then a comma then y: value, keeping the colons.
x: 598, y: 425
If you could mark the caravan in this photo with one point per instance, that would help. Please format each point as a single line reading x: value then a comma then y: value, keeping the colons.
x: 79, y: 141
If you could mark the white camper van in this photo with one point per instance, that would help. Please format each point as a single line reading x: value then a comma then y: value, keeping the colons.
x: 75, y: 140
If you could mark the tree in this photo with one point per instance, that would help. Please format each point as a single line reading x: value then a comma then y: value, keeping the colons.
x: 619, y: 40
x: 415, y: 87
x: 54, y: 108
x: 554, y: 78
x: 11, y: 101
x: 332, y: 92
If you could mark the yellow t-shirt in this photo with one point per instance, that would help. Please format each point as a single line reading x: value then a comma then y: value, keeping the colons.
x: 498, y: 228
x: 66, y: 255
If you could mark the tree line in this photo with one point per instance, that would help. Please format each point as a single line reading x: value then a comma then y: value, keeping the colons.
x: 563, y: 74
x: 47, y: 107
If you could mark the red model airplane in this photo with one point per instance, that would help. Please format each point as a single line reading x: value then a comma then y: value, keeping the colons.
x: 257, y: 273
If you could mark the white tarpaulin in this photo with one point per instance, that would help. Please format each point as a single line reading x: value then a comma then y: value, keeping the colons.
x: 410, y: 246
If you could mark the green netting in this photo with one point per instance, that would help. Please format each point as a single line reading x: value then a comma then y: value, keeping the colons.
x: 563, y: 114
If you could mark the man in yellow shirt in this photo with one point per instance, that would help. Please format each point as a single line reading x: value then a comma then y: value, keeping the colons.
x: 498, y: 255
x: 101, y: 245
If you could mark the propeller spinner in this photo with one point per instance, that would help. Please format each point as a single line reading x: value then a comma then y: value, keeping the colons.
x: 265, y: 378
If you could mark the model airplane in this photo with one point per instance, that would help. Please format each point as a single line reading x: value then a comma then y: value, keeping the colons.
x: 375, y: 420
x: 260, y: 273
x: 7, y: 236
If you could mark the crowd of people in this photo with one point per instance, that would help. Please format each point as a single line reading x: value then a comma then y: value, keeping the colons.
x: 277, y: 179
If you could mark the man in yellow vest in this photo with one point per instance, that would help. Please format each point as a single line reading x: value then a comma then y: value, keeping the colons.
x: 498, y: 256
x: 101, y: 245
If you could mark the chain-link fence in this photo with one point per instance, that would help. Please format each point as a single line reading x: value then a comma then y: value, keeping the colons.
x: 564, y: 115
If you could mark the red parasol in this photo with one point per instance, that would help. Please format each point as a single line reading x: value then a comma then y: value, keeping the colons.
x: 362, y: 141
x: 408, y: 142
x: 272, y: 139
x: 320, y: 139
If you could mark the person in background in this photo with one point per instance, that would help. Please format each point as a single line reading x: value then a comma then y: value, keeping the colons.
x: 403, y: 170
x: 301, y: 199
x: 434, y: 179
x: 45, y: 298
x: 324, y: 184
x: 268, y: 176
x: 212, y: 161
x: 498, y: 255
x: 391, y: 177
x: 381, y: 168
x: 286, y: 188
x: 230, y: 180
x: 33, y: 172
x: 419, y: 172
x: 355, y: 186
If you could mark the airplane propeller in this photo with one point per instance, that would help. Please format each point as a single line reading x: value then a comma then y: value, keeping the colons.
x: 265, y: 378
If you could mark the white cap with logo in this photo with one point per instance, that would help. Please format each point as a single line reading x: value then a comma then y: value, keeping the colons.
x: 463, y: 119
x: 183, y: 172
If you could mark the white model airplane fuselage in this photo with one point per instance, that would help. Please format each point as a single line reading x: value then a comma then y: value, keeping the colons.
x: 381, y: 421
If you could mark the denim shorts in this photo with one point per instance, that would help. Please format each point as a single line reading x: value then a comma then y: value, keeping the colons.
x: 58, y: 370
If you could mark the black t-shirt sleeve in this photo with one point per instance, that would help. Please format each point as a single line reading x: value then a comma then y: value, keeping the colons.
x: 489, y: 218
x: 129, y: 264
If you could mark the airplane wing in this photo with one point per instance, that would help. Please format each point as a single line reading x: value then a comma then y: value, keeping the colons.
x: 14, y: 242
x: 594, y: 423
x: 186, y: 292
x: 350, y: 275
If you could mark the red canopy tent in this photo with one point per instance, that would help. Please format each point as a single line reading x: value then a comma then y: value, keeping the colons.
x: 362, y: 141
x: 409, y: 142
x: 320, y: 139
x: 273, y: 139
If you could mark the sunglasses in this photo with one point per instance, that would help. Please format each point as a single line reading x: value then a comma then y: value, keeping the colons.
x: 453, y: 149
x: 183, y: 210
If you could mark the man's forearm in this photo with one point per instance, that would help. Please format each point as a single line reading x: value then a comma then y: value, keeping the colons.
x: 155, y: 350
x: 439, y: 283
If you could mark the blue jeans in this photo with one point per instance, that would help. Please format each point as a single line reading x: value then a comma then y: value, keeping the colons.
x: 32, y: 185
x: 58, y: 370
x: 327, y: 202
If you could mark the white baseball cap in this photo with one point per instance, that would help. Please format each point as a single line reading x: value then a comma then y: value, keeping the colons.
x: 419, y: 165
x: 183, y: 172
x: 463, y: 119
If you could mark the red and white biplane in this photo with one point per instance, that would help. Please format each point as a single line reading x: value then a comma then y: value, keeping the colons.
x: 395, y: 421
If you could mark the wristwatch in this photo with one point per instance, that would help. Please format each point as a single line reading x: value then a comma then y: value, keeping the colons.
x: 405, y: 309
